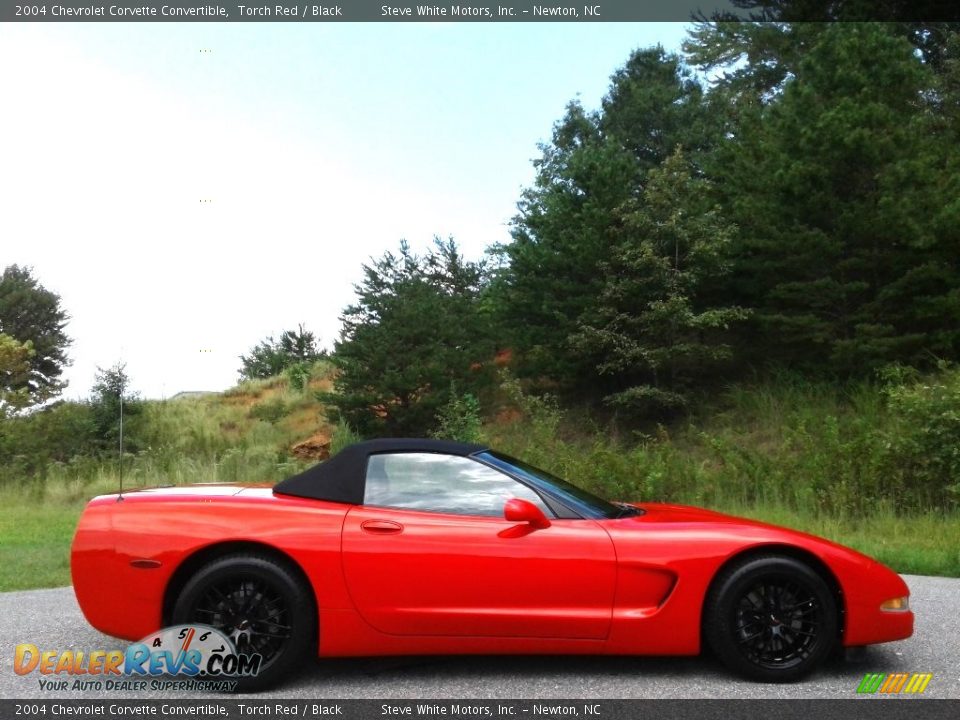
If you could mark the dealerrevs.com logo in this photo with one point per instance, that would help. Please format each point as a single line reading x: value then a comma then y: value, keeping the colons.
x: 191, y: 657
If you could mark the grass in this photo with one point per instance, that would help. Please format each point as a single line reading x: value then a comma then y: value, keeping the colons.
x: 35, y: 544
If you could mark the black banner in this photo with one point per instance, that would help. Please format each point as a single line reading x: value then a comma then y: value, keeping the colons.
x: 256, y: 707
x: 477, y: 11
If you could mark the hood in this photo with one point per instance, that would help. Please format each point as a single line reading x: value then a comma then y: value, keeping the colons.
x: 664, y: 512
x: 750, y: 531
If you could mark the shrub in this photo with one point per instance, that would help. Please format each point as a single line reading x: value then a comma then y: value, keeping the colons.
x: 259, y: 464
x: 459, y: 419
x: 56, y: 433
x: 541, y: 411
x: 343, y: 435
x: 271, y: 411
x: 298, y: 375
x: 922, y: 446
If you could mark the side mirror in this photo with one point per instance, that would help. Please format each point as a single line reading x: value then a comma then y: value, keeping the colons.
x: 517, y: 510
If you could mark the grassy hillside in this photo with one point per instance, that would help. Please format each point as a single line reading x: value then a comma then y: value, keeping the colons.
x: 247, y: 434
x: 849, y: 464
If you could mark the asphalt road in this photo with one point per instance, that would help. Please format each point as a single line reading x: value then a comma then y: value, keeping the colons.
x: 51, y: 619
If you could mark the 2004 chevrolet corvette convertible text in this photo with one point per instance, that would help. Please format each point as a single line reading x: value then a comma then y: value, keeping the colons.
x: 411, y: 546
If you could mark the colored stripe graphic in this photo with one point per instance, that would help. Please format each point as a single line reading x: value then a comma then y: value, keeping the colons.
x: 918, y: 683
x: 870, y: 683
x: 894, y: 683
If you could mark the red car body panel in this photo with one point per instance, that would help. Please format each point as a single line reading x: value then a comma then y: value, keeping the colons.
x: 456, y: 584
x: 450, y: 575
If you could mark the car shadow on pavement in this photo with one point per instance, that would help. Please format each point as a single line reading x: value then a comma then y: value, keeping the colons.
x: 569, y: 672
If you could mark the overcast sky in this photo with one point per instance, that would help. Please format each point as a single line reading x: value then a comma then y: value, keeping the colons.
x: 314, y: 146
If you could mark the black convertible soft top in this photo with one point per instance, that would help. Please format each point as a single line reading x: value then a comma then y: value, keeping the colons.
x: 342, y: 477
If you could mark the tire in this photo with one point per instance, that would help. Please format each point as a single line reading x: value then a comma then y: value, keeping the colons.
x: 771, y: 618
x: 261, y: 604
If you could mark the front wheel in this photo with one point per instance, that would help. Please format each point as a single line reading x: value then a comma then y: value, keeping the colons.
x: 260, y: 604
x: 771, y: 618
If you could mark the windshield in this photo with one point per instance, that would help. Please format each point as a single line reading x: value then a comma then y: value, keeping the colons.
x: 579, y: 499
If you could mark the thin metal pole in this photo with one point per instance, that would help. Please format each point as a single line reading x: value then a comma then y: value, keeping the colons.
x: 121, y: 438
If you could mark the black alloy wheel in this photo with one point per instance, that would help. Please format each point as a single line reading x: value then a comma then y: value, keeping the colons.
x: 771, y: 618
x: 260, y: 604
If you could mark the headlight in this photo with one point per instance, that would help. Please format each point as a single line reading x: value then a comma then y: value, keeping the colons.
x: 900, y: 604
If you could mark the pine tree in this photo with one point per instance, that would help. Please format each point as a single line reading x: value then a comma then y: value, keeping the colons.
x: 826, y: 184
x: 569, y: 220
x: 653, y: 331
x: 416, y: 330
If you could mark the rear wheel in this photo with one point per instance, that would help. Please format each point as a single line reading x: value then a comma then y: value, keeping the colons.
x: 260, y: 604
x: 771, y: 618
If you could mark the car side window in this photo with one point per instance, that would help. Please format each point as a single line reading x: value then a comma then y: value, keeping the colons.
x: 432, y: 482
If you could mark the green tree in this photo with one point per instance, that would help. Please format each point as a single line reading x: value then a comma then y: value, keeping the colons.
x: 271, y: 357
x: 752, y: 58
x: 416, y: 329
x: 654, y: 331
x: 111, y: 388
x: 31, y: 313
x: 14, y: 367
x: 833, y: 185
x: 930, y: 291
x: 568, y: 221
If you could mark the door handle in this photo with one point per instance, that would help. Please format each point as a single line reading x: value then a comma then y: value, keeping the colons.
x: 381, y: 527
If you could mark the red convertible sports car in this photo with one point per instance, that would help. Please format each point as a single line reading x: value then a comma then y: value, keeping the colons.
x: 411, y: 546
